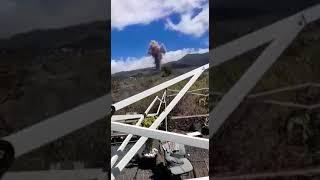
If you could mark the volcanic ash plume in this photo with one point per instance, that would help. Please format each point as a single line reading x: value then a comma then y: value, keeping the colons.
x: 156, y: 51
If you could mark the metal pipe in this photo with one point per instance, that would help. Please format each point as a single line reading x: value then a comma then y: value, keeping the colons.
x: 165, y: 106
x: 162, y: 135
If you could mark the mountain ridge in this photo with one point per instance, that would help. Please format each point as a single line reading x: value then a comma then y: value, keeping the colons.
x: 87, y: 36
x: 187, y: 62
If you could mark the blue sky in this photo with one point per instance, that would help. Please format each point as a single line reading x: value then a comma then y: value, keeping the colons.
x: 134, y: 40
x: 181, y: 25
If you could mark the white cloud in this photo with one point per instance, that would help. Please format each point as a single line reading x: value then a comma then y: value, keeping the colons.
x: 21, y: 16
x: 130, y: 12
x: 195, y: 26
x: 132, y: 63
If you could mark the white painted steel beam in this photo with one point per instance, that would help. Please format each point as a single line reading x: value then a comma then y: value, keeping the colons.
x: 161, y: 102
x: 289, y: 30
x: 312, y: 14
x: 193, y: 116
x: 150, y: 106
x: 197, y: 94
x: 126, y: 117
x: 58, y: 126
x: 292, y: 105
x: 279, y: 90
x: 282, y: 32
x: 287, y: 104
x: 161, y: 135
x: 316, y: 106
x: 129, y: 117
x: 274, y: 91
x: 253, y: 40
x: 195, y: 90
x: 123, y: 145
x: 126, y: 159
x: 146, y: 93
x: 165, y: 106
x: 200, y: 178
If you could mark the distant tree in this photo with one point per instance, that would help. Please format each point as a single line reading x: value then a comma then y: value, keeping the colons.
x: 166, y: 71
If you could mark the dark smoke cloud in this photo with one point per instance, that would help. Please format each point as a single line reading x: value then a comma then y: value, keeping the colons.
x: 24, y: 15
